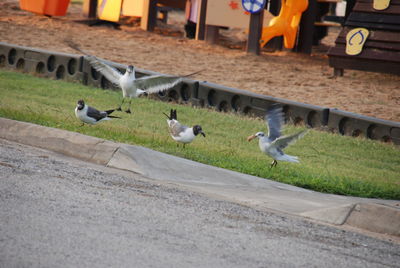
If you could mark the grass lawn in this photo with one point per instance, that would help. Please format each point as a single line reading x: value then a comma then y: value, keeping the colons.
x: 329, y: 163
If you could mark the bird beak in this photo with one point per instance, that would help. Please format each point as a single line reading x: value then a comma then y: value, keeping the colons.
x: 202, y: 133
x: 249, y: 138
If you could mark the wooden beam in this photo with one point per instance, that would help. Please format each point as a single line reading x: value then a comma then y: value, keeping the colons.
x: 255, y: 28
x: 201, y: 20
x: 305, y: 38
x: 349, y: 8
x: 275, y: 43
x: 90, y: 8
x: 149, y: 16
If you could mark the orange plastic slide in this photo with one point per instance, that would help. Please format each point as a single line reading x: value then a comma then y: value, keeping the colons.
x: 286, y: 23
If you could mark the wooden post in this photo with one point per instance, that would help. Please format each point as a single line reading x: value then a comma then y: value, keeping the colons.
x: 90, y: 8
x: 275, y: 43
x: 201, y: 20
x: 349, y: 7
x: 149, y: 16
x: 306, y: 33
x: 255, y: 28
x: 212, y: 34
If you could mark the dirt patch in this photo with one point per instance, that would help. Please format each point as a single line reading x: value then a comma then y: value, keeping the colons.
x: 283, y: 74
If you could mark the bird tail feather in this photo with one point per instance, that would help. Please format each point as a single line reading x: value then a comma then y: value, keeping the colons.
x: 289, y: 158
x: 172, y: 115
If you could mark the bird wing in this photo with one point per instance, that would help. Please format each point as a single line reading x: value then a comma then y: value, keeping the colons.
x: 175, y: 128
x: 274, y: 120
x: 112, y: 74
x: 285, y: 141
x: 156, y: 83
x: 96, y: 114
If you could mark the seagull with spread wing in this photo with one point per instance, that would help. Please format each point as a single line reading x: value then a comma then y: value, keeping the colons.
x: 131, y: 86
x: 182, y: 133
x: 274, y: 144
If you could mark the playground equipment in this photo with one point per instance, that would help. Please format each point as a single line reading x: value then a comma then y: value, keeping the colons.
x: 109, y: 10
x: 45, y: 7
x: 381, y: 4
x: 377, y: 52
x: 212, y: 15
x: 225, y: 13
x: 112, y: 10
x: 286, y: 23
x: 355, y: 40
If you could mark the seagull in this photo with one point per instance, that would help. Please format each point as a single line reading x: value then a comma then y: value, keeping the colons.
x: 131, y: 86
x: 181, y: 133
x: 90, y: 115
x: 275, y: 143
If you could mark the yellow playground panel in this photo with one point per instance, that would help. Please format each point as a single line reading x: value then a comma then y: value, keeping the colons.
x: 229, y: 13
x: 109, y: 9
x: 133, y: 8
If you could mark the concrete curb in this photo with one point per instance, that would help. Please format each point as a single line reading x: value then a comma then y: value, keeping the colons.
x: 72, y: 144
x: 380, y: 216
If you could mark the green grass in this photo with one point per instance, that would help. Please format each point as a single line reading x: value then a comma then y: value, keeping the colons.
x: 329, y: 163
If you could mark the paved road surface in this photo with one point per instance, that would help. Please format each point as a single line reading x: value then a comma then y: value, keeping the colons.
x: 61, y: 212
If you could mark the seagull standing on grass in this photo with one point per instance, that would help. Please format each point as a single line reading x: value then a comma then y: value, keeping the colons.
x: 181, y: 133
x: 90, y: 115
x: 131, y: 86
x: 275, y: 143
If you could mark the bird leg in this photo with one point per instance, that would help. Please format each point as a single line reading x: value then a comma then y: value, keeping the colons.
x: 129, y: 107
x: 120, y: 106
x: 274, y: 163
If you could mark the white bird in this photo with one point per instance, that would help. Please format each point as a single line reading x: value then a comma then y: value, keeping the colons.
x: 182, y: 133
x: 90, y: 115
x: 131, y: 86
x: 274, y: 144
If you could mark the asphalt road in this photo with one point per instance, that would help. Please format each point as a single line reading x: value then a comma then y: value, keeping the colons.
x: 61, y: 212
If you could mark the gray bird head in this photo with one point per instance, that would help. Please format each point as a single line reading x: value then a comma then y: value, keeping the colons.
x: 130, y: 69
x: 197, y: 130
x: 257, y: 135
x: 80, y: 105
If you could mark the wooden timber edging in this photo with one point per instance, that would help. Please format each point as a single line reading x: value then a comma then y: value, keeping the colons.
x: 76, y: 68
x: 381, y: 51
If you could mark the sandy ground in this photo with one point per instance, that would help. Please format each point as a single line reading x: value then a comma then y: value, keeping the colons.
x: 282, y: 74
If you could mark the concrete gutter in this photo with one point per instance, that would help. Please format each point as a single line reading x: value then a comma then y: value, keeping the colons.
x: 375, y: 215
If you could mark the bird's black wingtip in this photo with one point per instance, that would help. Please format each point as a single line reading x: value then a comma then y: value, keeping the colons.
x: 168, y: 116
x: 110, y: 111
x: 274, y: 106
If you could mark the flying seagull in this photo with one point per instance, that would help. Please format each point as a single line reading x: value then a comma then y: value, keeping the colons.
x: 131, y: 86
x: 274, y: 144
x: 90, y: 115
x: 181, y: 133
